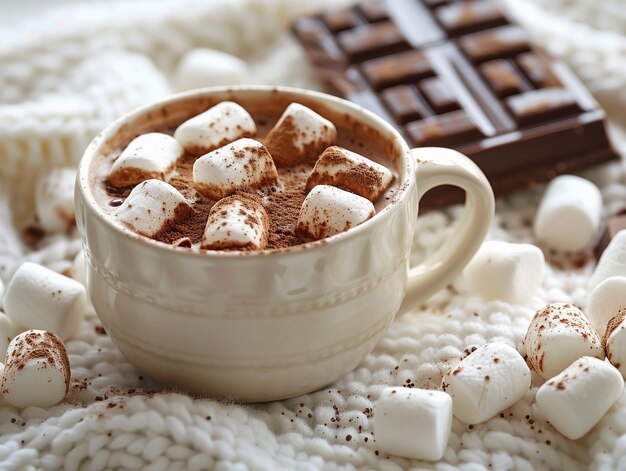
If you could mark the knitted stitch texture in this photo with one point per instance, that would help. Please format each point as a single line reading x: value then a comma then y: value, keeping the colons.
x: 60, y: 86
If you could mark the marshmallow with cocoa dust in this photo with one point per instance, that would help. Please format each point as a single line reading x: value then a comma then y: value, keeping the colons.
x: 576, y: 400
x: 245, y: 163
x: 605, y: 301
x: 220, y: 125
x: 348, y: 170
x: 327, y: 211
x: 236, y: 222
x: 299, y: 136
x: 615, y: 341
x: 487, y: 381
x: 39, y: 298
x: 151, y: 207
x: 150, y: 155
x: 558, y: 335
x: 36, y: 371
x: 54, y: 200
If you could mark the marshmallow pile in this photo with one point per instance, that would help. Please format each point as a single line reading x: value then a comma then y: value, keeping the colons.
x: 229, y: 163
x: 41, y: 309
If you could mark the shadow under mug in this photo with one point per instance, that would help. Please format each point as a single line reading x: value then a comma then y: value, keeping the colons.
x: 261, y: 326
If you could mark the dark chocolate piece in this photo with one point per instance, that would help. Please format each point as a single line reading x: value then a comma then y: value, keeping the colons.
x: 616, y: 223
x: 459, y: 74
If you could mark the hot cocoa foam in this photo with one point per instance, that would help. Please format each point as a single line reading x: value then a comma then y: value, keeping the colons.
x: 282, y: 201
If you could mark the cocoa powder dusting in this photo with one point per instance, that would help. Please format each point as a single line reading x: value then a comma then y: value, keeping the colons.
x: 612, y: 325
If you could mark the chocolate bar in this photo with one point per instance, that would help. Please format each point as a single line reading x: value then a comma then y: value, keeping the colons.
x: 615, y: 223
x: 460, y: 74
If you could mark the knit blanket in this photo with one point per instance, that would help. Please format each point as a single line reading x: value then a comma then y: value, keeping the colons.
x: 68, y: 72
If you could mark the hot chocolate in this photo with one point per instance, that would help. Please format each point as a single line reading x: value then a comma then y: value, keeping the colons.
x: 260, y: 174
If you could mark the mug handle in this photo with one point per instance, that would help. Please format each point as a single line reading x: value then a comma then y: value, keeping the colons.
x: 439, y: 166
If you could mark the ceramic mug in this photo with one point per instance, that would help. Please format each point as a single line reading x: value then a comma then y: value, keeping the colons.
x: 267, y: 325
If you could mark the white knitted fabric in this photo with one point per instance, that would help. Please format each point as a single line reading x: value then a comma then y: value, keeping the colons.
x: 59, y: 86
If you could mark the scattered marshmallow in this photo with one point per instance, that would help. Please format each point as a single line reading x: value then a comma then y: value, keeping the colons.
x: 152, y: 206
x: 504, y: 271
x: 299, y: 136
x: 39, y: 298
x: 37, y: 370
x: 348, y: 170
x: 245, y: 163
x: 615, y: 341
x: 150, y: 155
x: 568, y: 217
x: 487, y: 381
x: 558, y: 335
x: 209, y: 68
x: 7, y: 332
x: 54, y: 200
x: 576, y: 400
x: 236, y: 222
x: 79, y: 268
x: 605, y: 301
x: 612, y: 262
x: 413, y: 423
x: 327, y: 211
x: 224, y: 123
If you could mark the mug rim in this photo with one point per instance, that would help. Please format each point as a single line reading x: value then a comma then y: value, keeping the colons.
x: 83, y: 181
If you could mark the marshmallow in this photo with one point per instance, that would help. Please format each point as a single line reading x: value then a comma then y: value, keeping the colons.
x: 576, y: 400
x: 558, y: 335
x: 37, y: 370
x: 224, y: 123
x: 148, y: 156
x: 39, y: 298
x: 605, y: 301
x: 245, y: 163
x: 299, y: 136
x: 348, y: 170
x: 568, y: 218
x: 413, y: 423
x: 236, y: 222
x: 152, y: 206
x: 79, y: 268
x: 615, y: 341
x: 487, y: 381
x: 327, y: 211
x: 612, y: 262
x: 1, y: 295
x: 504, y: 271
x: 7, y: 332
x: 208, y: 68
x: 54, y: 200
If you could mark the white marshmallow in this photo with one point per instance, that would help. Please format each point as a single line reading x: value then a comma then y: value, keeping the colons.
x: 612, y: 262
x: 151, y: 206
x: 615, y: 341
x: 7, y: 332
x: 39, y: 298
x: 224, y: 123
x: 413, y: 423
x: 568, y: 218
x: 299, y: 136
x: 1, y: 295
x: 37, y: 370
x: 150, y: 155
x: 487, y: 381
x: 348, y: 170
x: 504, y: 271
x: 236, y: 222
x: 576, y: 400
x: 558, y: 335
x: 209, y: 68
x: 244, y: 163
x: 327, y: 211
x: 54, y: 200
x: 605, y: 301
x: 79, y: 268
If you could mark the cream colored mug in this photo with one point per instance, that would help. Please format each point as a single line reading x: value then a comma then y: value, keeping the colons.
x: 261, y: 326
